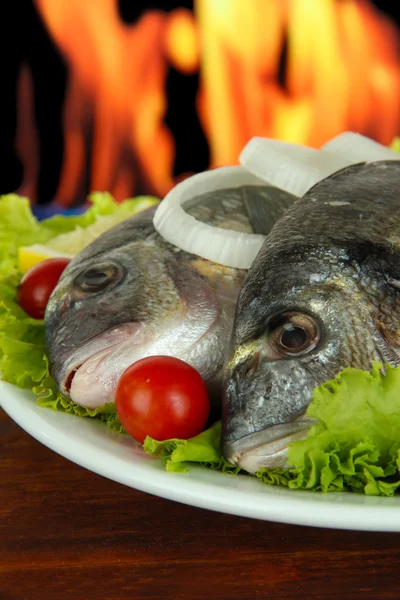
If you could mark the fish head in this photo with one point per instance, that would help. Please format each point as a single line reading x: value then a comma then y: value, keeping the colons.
x: 313, y: 312
x: 122, y: 298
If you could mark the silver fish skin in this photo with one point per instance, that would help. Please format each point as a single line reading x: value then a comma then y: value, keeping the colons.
x: 130, y: 294
x: 321, y: 295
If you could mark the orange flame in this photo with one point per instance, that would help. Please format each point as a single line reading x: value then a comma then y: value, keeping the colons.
x: 342, y: 72
x: 117, y: 87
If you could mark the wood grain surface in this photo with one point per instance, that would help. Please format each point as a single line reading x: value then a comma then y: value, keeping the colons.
x: 66, y: 533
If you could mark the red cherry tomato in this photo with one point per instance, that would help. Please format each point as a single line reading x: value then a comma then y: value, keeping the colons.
x: 162, y: 397
x: 37, y: 285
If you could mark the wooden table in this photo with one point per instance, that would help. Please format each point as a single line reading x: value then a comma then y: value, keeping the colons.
x: 66, y: 533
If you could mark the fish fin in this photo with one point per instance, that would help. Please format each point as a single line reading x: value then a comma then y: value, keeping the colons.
x: 266, y: 206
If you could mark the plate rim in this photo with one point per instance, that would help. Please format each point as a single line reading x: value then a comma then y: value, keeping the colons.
x: 286, y: 506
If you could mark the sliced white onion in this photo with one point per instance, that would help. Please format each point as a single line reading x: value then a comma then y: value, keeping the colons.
x: 358, y: 148
x: 292, y: 167
x: 223, y: 246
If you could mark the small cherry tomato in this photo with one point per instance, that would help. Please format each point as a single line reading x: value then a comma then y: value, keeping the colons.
x: 162, y: 397
x: 37, y: 285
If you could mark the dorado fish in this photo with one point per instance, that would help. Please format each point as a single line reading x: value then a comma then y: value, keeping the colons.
x: 130, y: 294
x: 322, y: 294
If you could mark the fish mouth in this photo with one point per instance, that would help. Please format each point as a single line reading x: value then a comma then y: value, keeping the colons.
x: 92, y: 354
x: 90, y: 376
x: 267, y: 448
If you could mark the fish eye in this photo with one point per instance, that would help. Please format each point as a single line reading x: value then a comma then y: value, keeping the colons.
x: 99, y: 277
x: 294, y: 334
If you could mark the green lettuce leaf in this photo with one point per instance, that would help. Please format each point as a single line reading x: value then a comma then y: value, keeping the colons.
x: 203, y: 449
x: 19, y: 227
x: 22, y: 353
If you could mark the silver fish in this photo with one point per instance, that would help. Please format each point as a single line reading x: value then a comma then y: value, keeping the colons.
x: 130, y: 294
x: 322, y: 294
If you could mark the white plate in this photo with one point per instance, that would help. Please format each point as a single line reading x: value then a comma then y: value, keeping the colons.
x: 92, y: 445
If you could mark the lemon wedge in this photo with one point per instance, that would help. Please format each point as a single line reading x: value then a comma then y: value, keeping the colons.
x: 29, y: 256
x: 69, y: 244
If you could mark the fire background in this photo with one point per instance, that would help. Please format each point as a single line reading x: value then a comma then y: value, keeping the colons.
x: 130, y: 96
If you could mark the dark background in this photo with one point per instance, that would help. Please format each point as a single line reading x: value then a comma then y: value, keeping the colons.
x: 24, y: 39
